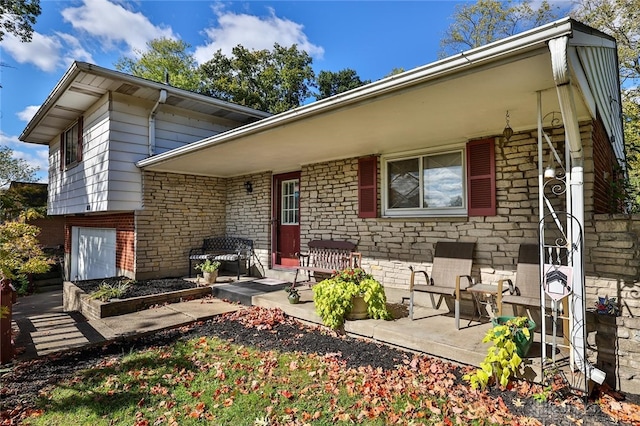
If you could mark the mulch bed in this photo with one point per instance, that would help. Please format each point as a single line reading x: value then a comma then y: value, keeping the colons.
x: 139, y: 288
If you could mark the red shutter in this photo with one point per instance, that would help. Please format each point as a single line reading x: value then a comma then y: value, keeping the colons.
x: 481, y: 175
x: 368, y: 187
x: 79, y: 151
x: 62, y: 151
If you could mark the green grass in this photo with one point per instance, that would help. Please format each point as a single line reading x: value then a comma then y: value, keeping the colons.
x: 211, y: 381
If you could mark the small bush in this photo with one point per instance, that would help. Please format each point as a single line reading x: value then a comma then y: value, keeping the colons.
x: 107, y: 291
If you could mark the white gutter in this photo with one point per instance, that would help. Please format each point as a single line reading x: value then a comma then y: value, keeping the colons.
x: 152, y: 121
x: 498, y: 50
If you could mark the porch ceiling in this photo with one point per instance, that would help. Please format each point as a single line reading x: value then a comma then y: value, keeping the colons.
x: 442, y: 111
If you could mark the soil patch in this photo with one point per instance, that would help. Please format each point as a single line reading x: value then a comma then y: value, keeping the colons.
x: 138, y: 288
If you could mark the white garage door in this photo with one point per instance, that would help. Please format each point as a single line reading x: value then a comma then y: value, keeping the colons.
x: 94, y: 250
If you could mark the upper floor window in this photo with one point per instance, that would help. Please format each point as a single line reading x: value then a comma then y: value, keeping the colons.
x: 425, y: 185
x: 71, y: 145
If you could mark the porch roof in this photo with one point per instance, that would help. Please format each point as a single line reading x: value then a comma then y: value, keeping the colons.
x: 444, y: 103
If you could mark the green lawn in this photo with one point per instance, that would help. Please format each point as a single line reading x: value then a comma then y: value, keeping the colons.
x: 211, y: 381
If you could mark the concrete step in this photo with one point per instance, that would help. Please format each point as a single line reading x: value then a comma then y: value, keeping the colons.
x: 243, y: 291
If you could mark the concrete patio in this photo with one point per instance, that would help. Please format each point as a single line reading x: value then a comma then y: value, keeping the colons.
x: 432, y: 331
x: 44, y: 328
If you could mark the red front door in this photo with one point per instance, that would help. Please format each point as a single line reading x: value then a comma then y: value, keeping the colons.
x: 286, y: 219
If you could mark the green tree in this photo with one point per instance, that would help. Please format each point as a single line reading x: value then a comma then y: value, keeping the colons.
x: 490, y: 20
x: 13, y: 170
x: 395, y: 71
x: 331, y: 83
x: 269, y: 80
x: 621, y: 19
x: 20, y: 251
x: 164, y: 57
x: 17, y: 17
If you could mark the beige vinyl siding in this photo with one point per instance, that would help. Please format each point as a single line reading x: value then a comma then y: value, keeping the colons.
x: 73, y: 189
x: 174, y: 129
x: 116, y: 137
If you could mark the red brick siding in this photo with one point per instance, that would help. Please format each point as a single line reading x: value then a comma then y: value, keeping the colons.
x: 124, y: 223
x: 51, y: 230
x: 603, y: 167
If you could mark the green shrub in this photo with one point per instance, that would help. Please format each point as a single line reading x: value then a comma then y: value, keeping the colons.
x: 502, y: 360
x: 209, y: 266
x: 107, y: 291
x: 333, y: 297
x: 23, y: 286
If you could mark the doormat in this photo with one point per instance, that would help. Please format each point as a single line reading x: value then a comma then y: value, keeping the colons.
x: 269, y: 281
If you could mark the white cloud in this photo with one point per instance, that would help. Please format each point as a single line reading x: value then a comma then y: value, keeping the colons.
x: 47, y: 53
x: 35, y: 155
x: 8, y: 140
x: 42, y: 51
x: 114, y: 24
x: 253, y: 32
x: 74, y: 51
x: 27, y: 114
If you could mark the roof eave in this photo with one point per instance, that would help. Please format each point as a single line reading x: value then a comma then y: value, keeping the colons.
x: 78, y: 67
x: 515, y: 45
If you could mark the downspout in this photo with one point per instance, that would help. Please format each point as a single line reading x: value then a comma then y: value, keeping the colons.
x: 575, y: 203
x: 152, y: 122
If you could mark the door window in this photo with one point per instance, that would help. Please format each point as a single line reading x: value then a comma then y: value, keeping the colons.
x: 290, y: 202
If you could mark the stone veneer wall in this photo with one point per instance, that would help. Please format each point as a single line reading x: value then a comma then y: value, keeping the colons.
x: 613, y: 269
x: 248, y: 215
x: 329, y: 203
x: 179, y: 211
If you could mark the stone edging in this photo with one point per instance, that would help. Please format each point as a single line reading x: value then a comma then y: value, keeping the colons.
x: 75, y: 299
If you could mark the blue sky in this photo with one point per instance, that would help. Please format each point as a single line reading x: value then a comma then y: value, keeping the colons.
x: 371, y: 37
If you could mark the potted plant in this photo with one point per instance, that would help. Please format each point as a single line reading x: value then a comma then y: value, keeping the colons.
x: 346, y: 291
x: 512, y: 338
x: 607, y: 306
x: 209, y: 270
x: 294, y: 295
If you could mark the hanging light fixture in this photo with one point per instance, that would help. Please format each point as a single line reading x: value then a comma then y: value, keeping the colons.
x: 550, y: 171
x: 508, y: 131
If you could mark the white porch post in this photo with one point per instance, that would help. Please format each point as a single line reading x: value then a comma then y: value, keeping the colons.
x: 575, y: 196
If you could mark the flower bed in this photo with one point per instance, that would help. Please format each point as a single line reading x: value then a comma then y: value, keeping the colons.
x: 77, y: 298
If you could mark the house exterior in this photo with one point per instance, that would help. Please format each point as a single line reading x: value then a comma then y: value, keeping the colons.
x: 393, y: 166
x: 98, y: 124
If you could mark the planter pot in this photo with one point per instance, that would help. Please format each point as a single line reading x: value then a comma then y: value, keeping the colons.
x: 294, y: 299
x: 523, y: 344
x: 359, y: 310
x: 210, y: 277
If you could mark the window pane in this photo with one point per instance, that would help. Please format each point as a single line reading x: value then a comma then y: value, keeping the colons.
x: 289, y: 202
x: 442, y: 180
x: 404, y: 183
x: 71, y: 145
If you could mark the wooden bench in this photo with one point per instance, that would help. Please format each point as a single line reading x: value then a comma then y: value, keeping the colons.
x: 326, y: 257
x: 223, y: 249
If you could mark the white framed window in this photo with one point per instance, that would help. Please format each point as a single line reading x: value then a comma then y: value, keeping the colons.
x: 290, y: 202
x: 424, y: 184
x: 71, y: 144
